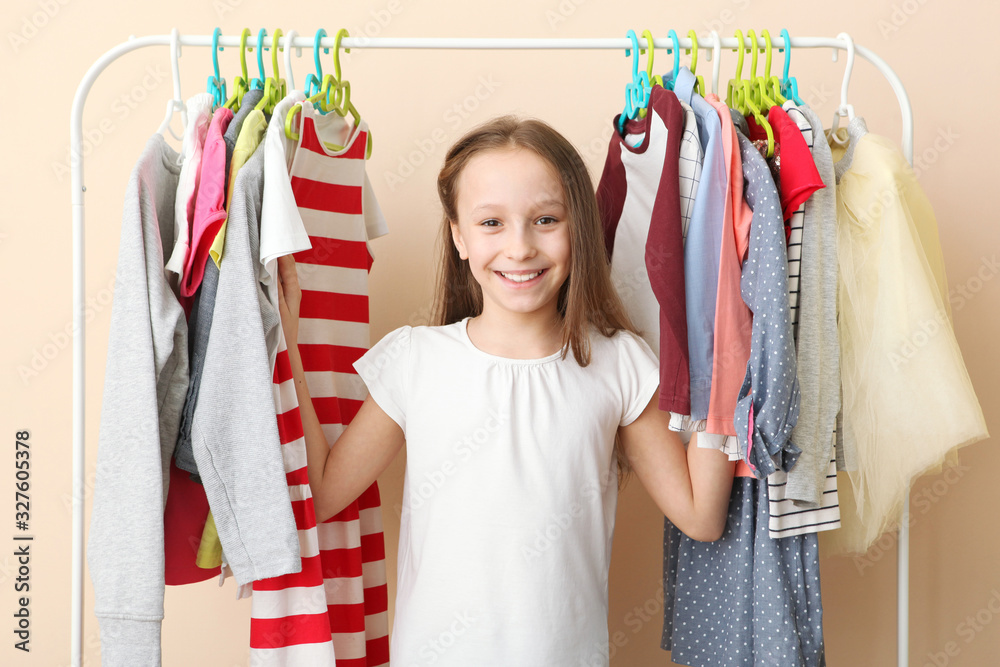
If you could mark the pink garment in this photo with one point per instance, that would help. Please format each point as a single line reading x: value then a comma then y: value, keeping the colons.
x: 732, y: 317
x: 210, y: 203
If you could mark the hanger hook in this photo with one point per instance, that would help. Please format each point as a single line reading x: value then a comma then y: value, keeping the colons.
x: 634, y: 52
x: 739, y: 58
x: 261, y: 34
x: 716, y: 57
x: 677, y: 52
x: 786, y: 41
x: 216, y: 84
x: 752, y: 36
x: 243, y: 52
x: 766, y: 34
x: 693, y: 36
x: 847, y: 71
x: 289, y: 40
x: 336, y: 51
x: 275, y: 47
x: 648, y: 36
x: 175, y: 57
x: 320, y: 34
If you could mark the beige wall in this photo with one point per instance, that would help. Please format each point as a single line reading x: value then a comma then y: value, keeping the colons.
x: 409, y: 98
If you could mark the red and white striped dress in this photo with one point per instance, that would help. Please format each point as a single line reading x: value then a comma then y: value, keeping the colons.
x: 289, y: 620
x: 341, y: 215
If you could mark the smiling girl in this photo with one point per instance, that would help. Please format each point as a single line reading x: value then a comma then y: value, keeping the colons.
x: 520, y: 413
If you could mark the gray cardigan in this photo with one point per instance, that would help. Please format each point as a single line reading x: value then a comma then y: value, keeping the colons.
x: 144, y: 386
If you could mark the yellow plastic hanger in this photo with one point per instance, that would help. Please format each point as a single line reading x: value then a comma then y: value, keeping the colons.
x: 758, y: 83
x: 772, y: 84
x: 734, y: 84
x: 693, y: 36
x: 758, y: 116
x: 240, y: 84
x: 275, y: 87
x: 654, y: 79
x: 334, y: 95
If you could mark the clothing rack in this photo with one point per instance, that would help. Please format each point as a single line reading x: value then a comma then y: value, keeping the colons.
x: 713, y: 45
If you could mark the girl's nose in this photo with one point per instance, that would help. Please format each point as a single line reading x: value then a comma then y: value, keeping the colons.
x: 520, y: 244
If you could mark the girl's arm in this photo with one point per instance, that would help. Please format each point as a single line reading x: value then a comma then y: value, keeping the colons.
x: 338, y: 474
x: 691, y: 488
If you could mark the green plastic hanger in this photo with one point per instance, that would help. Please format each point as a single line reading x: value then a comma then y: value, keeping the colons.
x: 240, y: 85
x: 275, y: 87
x: 758, y: 116
x: 693, y: 36
x: 654, y: 79
x: 734, y: 84
x: 772, y: 84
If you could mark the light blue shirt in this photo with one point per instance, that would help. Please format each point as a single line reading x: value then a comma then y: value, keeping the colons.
x: 704, y: 240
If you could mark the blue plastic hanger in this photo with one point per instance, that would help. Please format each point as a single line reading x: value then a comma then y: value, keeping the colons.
x: 258, y: 82
x: 789, y: 86
x: 216, y: 84
x: 314, y: 81
x: 669, y: 85
x: 638, y: 90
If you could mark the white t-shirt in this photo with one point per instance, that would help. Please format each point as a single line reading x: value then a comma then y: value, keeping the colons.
x: 509, y: 494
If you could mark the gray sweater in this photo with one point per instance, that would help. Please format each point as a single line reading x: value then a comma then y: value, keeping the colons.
x: 817, y: 343
x: 144, y: 386
x: 234, y: 430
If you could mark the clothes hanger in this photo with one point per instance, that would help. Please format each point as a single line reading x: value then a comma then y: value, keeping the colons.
x: 258, y: 81
x: 275, y: 87
x: 772, y: 84
x: 733, y: 87
x: 240, y: 86
x: 289, y: 40
x: 844, y: 109
x: 637, y: 91
x: 216, y: 84
x: 789, y: 86
x: 677, y: 59
x: 654, y: 79
x: 715, y: 55
x: 693, y: 36
x: 177, y: 103
x: 758, y: 115
x: 334, y: 95
x: 759, y: 94
x: 315, y: 81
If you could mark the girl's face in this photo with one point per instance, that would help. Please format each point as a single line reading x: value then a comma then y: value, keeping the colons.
x: 513, y: 228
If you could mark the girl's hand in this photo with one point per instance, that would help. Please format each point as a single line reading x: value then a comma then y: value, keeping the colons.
x: 289, y: 299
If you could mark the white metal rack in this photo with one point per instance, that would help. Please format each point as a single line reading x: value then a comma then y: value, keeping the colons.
x: 710, y: 44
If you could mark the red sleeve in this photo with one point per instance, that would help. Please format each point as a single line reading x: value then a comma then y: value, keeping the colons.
x: 665, y: 261
x: 799, y: 176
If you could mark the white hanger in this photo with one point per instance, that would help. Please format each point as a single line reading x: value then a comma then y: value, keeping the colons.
x: 713, y: 55
x: 844, y: 109
x: 289, y: 38
x: 176, y: 104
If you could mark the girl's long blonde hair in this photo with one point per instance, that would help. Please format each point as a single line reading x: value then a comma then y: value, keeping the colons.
x: 588, y: 296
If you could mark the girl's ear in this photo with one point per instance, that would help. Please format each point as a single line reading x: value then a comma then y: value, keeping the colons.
x: 456, y: 237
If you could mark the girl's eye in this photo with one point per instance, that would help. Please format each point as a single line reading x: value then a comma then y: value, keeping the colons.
x: 492, y: 222
x: 547, y: 220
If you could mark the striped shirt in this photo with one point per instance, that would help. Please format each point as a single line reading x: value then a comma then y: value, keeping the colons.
x: 341, y: 215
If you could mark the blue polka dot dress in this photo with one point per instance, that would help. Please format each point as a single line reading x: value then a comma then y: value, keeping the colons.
x: 748, y: 600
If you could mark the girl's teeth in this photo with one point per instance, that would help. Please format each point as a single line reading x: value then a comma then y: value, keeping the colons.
x: 521, y: 277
